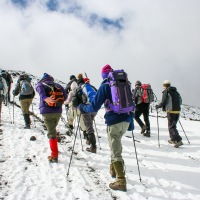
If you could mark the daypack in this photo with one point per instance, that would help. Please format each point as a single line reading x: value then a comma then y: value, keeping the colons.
x: 147, y: 93
x: 88, y: 93
x: 1, y: 84
x: 26, y: 88
x: 55, y: 96
x: 122, y: 97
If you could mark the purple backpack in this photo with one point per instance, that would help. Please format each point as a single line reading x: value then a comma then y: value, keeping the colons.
x: 122, y: 97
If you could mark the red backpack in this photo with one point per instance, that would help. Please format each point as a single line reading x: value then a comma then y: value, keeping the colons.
x: 147, y: 93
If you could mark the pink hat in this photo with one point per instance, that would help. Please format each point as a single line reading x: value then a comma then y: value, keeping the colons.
x: 105, y: 71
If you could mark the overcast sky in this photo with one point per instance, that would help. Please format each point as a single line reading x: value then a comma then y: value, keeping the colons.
x: 151, y: 40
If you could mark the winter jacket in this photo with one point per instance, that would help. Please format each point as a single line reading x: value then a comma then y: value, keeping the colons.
x: 71, y: 93
x: 104, y: 94
x: 171, y: 101
x: 68, y: 87
x: 5, y: 87
x: 18, y: 86
x: 40, y: 88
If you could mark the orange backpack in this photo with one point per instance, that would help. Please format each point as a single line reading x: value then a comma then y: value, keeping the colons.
x: 55, y: 97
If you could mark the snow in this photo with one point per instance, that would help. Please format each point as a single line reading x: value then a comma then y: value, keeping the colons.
x: 166, y: 172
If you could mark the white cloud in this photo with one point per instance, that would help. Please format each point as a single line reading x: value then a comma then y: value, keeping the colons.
x: 160, y: 41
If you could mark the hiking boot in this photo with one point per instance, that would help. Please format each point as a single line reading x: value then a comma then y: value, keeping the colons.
x: 71, y: 127
x: 52, y: 159
x: 147, y: 134
x: 118, y: 185
x: 27, y: 126
x: 143, y: 129
x: 91, y: 149
x: 172, y: 141
x: 112, y: 171
x: 69, y: 132
x: 178, y: 144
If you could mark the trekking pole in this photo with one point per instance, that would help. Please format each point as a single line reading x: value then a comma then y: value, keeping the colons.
x: 73, y: 146
x: 33, y: 116
x: 136, y: 157
x: 184, y: 132
x: 97, y: 133
x: 13, y: 108
x: 9, y: 111
x: 158, y: 130
x: 81, y: 137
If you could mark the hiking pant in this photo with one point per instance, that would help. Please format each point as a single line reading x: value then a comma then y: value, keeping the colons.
x: 71, y: 116
x: 172, y: 122
x: 25, y: 105
x: 51, y: 121
x: 115, y: 133
x: 88, y: 119
x: 142, y: 109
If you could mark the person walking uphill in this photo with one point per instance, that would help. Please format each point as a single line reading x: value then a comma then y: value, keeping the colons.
x: 85, y: 93
x: 171, y: 103
x: 52, y: 96
x: 117, y: 125
x: 3, y: 92
x: 141, y: 108
x: 26, y: 94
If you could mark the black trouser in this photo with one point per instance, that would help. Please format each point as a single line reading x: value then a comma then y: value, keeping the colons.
x: 142, y: 109
x: 172, y: 122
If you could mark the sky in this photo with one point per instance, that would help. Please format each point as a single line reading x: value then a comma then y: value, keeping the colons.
x: 152, y: 40
x: 166, y: 173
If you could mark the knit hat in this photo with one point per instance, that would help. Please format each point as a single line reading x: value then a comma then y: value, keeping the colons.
x: 80, y: 76
x: 105, y: 71
x: 72, y: 77
x: 45, y: 76
x: 138, y: 83
x: 166, y: 83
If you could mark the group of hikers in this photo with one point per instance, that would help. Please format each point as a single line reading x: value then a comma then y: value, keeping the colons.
x: 82, y: 100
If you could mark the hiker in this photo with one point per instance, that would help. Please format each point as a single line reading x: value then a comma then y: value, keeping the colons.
x: 9, y: 81
x: 117, y: 125
x: 171, y: 103
x: 73, y: 112
x: 141, y: 108
x: 72, y: 79
x: 50, y: 110
x: 26, y: 94
x: 81, y: 97
x: 3, y: 91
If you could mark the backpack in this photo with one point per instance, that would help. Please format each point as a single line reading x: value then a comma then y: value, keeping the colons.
x: 147, y: 93
x: 55, y: 96
x: 1, y: 84
x: 122, y: 97
x: 26, y: 88
x: 88, y: 93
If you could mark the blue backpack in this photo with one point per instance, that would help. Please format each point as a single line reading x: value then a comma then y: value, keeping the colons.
x: 122, y: 98
x: 88, y: 93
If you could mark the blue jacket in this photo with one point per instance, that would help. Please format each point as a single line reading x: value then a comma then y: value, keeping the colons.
x: 104, y: 93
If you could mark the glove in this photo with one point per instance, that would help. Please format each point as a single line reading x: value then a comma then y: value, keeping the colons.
x: 13, y: 92
x: 67, y: 106
x: 81, y: 108
x: 157, y: 106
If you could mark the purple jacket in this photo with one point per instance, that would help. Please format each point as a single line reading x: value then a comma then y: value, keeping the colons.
x: 40, y: 88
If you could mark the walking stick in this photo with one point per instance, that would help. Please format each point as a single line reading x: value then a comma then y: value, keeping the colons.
x: 9, y: 110
x: 73, y: 146
x: 136, y: 157
x: 33, y: 116
x: 97, y: 133
x: 158, y: 129
x: 184, y: 132
x: 13, y: 107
